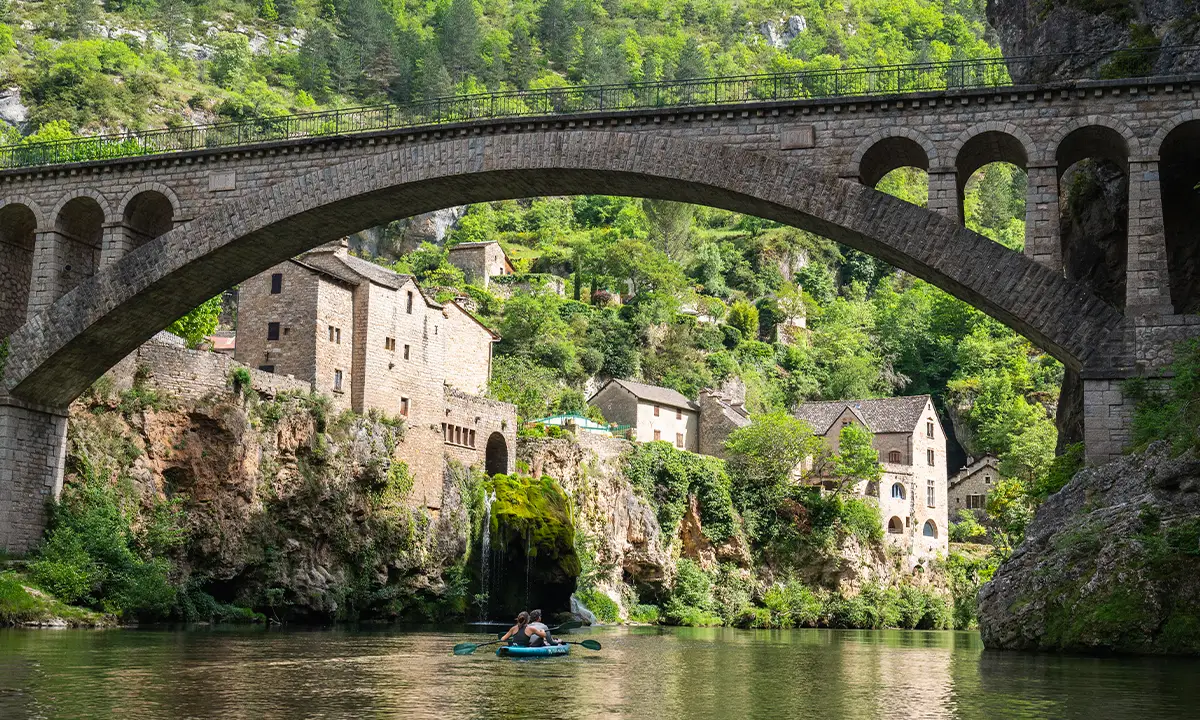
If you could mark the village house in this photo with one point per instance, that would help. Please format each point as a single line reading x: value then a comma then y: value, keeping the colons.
x: 969, y: 488
x: 371, y: 340
x: 652, y: 412
x: 912, y: 450
x: 480, y: 261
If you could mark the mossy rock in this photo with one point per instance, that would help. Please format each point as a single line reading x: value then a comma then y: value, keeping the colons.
x: 532, y: 546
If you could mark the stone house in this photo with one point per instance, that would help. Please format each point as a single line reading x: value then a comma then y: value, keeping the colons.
x: 480, y: 261
x: 371, y: 340
x: 969, y: 488
x: 912, y: 450
x: 722, y: 410
x: 652, y: 412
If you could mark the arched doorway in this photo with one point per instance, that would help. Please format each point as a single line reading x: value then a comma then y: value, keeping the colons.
x: 895, y: 526
x: 496, y: 455
x: 17, y: 226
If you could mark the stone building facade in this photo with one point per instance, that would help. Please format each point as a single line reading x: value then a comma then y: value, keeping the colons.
x: 912, y: 450
x: 480, y: 261
x: 722, y: 411
x: 373, y: 341
x: 970, y: 486
x: 654, y: 413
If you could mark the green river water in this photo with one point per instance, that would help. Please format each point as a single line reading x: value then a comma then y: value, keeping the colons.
x: 642, y: 672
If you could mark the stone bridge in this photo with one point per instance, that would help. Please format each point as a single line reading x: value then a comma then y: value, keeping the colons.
x: 97, y: 256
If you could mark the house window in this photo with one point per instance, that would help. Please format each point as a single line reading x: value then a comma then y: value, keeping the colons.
x: 389, y: 344
x: 678, y: 440
x: 272, y: 331
x: 658, y: 435
x: 267, y: 368
x: 895, y: 527
x: 987, y: 479
x: 929, y: 428
x: 929, y: 456
x: 930, y: 529
x: 410, y: 299
x: 678, y: 414
x: 445, y: 432
x: 930, y: 495
x: 472, y: 441
x: 655, y: 411
x: 894, y: 456
x: 276, y: 283
x: 337, y: 380
x: 335, y: 335
x: 898, y: 491
x: 330, y: 333
x: 404, y: 406
x: 976, y: 502
x: 405, y: 352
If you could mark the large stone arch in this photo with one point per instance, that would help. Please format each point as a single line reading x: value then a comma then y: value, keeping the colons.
x: 1178, y: 151
x: 1057, y: 153
x: 62, y: 350
x: 18, y: 228
x: 147, y: 211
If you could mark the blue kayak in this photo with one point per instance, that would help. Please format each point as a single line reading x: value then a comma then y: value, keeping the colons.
x: 519, y: 651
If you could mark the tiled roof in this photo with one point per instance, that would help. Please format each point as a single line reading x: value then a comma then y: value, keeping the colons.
x: 474, y: 244
x: 653, y: 393
x: 884, y: 415
x: 974, y: 467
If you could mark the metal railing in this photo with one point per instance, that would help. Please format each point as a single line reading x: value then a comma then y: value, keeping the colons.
x: 985, y: 72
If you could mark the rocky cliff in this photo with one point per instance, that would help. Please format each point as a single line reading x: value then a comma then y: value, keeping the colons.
x: 1110, y: 563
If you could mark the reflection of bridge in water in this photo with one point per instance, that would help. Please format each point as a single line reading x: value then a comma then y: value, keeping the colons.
x: 107, y: 240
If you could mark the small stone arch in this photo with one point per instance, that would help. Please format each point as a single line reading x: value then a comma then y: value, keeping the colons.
x: 888, y: 149
x: 147, y: 215
x: 100, y: 200
x: 496, y: 455
x: 984, y: 144
x: 78, y: 234
x: 18, y: 228
x: 1093, y: 136
x: 929, y: 529
x: 895, y: 526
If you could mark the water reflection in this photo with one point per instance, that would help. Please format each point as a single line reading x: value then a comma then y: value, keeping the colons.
x: 716, y: 674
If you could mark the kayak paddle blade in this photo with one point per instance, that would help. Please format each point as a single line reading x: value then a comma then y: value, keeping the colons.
x: 465, y: 648
x: 590, y: 644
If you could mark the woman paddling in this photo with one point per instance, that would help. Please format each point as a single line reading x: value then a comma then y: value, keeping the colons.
x: 517, y: 634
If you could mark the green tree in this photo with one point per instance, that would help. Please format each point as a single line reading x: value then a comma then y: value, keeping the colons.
x: 770, y: 451
x: 744, y: 316
x: 693, y: 62
x: 670, y: 227
x: 461, y: 38
x: 199, y: 323
x: 555, y: 30
x: 856, y: 459
x: 230, y: 64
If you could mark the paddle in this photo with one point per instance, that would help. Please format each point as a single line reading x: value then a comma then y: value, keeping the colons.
x: 589, y: 644
x: 468, y: 648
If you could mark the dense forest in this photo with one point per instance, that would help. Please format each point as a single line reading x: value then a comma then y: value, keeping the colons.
x: 677, y: 295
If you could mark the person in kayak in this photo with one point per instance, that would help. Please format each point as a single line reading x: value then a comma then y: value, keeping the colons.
x: 539, y: 634
x: 518, y: 634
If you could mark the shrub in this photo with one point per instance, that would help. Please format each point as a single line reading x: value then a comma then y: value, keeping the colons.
x: 239, y: 379
x: 648, y: 614
x: 602, y: 606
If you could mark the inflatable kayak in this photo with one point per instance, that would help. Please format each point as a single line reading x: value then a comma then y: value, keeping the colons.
x: 519, y: 651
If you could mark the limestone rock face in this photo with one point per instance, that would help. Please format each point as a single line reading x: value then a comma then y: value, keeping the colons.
x: 630, y: 546
x: 1111, y: 563
x: 1033, y: 27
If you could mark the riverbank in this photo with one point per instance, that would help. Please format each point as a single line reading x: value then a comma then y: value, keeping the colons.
x: 23, y: 605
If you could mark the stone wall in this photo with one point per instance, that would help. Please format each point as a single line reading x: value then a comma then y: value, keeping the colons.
x: 33, y: 445
x: 483, y: 418
x: 192, y: 376
x: 468, y: 357
x: 294, y: 308
x: 480, y: 262
x: 975, y: 479
x: 16, y: 269
x: 717, y: 421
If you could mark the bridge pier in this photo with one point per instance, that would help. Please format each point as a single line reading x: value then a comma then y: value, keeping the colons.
x: 1042, y: 243
x: 60, y: 261
x: 1107, y: 417
x: 33, y: 448
x: 1147, y: 282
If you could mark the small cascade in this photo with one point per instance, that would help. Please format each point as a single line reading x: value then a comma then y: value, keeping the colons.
x: 485, y: 556
x: 528, y: 563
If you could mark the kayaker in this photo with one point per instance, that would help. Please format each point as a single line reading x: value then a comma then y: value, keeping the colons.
x: 518, y: 634
x: 539, y: 634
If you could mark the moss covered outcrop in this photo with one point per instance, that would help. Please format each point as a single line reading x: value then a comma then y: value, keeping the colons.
x: 531, y: 545
x: 1111, y: 563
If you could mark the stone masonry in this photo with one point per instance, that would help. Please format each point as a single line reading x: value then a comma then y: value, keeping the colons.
x: 105, y: 272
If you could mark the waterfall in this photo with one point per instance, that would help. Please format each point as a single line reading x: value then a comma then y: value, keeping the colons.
x: 485, y: 557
